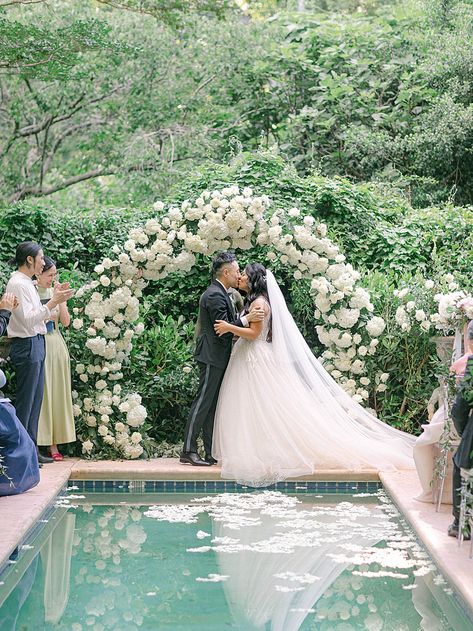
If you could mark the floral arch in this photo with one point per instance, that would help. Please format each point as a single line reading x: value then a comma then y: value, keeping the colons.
x: 232, y: 218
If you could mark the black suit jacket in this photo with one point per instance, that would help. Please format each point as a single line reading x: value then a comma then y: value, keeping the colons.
x: 462, y: 415
x: 214, y: 304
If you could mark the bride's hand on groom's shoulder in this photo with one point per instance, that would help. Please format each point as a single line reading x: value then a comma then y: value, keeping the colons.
x: 256, y: 313
x: 221, y: 327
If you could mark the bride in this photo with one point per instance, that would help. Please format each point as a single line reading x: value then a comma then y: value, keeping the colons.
x: 280, y: 414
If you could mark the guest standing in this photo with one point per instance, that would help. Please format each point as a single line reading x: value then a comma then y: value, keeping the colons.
x: 56, y: 420
x: 27, y: 330
x: 462, y: 415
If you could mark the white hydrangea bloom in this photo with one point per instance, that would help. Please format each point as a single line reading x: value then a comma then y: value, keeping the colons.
x: 401, y: 316
x: 87, y: 447
x: 375, y: 326
x: 77, y: 324
x: 347, y: 318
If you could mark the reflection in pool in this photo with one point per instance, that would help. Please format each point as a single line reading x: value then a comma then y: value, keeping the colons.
x: 262, y: 560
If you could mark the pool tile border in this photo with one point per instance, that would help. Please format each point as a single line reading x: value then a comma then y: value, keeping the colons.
x: 219, y: 486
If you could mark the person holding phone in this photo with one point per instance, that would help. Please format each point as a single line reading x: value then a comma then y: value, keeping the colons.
x: 56, y: 420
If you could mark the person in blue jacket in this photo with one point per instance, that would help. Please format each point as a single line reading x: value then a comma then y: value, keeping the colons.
x: 20, y: 471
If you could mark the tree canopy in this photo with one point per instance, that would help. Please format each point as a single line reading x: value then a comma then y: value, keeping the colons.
x: 119, y: 101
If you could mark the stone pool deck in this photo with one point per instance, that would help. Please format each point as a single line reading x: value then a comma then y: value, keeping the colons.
x: 19, y: 513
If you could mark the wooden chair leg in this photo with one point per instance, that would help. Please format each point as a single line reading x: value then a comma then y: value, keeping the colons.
x: 441, y: 484
x: 462, y: 519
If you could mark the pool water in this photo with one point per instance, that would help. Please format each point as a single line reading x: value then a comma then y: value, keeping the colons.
x: 262, y: 560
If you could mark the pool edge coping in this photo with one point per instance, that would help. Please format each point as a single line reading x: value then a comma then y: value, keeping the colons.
x: 451, y: 559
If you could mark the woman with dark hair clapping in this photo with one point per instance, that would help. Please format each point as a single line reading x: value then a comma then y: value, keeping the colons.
x: 56, y: 421
x: 27, y: 329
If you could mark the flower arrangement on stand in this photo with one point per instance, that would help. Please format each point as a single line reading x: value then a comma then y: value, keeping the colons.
x: 433, y: 306
x: 111, y: 419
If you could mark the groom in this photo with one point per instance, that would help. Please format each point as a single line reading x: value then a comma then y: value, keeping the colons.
x: 212, y: 354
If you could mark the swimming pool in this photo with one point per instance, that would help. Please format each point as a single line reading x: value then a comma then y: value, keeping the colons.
x: 314, y: 559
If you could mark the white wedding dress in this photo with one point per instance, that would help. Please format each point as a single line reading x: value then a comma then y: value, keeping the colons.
x: 280, y: 414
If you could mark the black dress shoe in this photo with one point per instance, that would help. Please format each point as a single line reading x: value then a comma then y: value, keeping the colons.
x: 453, y: 531
x: 44, y: 459
x: 211, y: 460
x: 190, y: 457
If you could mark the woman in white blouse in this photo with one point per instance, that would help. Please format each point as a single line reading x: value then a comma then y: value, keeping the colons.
x: 27, y: 329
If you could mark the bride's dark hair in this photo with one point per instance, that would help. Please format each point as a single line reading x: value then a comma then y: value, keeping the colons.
x: 256, y: 274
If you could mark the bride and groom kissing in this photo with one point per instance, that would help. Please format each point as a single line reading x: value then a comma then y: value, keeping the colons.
x: 267, y: 408
x: 212, y: 354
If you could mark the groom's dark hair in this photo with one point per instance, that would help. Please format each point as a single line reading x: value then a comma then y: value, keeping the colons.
x: 220, y: 260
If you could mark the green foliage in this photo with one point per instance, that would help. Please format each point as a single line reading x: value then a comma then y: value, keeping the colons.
x: 383, y: 97
x: 161, y: 371
x: 408, y: 357
x: 173, y: 13
x: 78, y: 239
x: 45, y: 53
x: 144, y: 103
x: 375, y: 226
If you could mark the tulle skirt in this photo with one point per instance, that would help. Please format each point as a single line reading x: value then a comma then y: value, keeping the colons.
x: 271, y: 424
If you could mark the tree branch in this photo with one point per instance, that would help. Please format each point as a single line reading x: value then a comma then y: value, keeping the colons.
x: 120, y: 5
x: 67, y: 132
x: 17, y: 66
x: 13, y: 2
x: 38, y: 191
x: 200, y: 87
x: 30, y: 130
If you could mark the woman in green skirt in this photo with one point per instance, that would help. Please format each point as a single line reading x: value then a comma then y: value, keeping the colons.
x: 56, y: 421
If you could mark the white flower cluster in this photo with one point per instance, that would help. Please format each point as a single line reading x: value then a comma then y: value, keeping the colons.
x: 443, y: 307
x: 108, y: 324
x: 452, y: 309
x: 343, y: 309
x: 349, y: 329
x: 217, y: 220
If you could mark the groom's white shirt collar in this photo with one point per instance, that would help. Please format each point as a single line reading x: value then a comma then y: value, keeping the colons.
x: 219, y: 281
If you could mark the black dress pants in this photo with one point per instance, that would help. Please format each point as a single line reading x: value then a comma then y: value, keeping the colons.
x: 202, y: 412
x: 27, y: 355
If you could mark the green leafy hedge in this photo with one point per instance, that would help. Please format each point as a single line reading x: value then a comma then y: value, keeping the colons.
x: 380, y: 233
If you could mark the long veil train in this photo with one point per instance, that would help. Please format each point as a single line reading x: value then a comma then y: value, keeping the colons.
x: 290, y: 346
x: 280, y: 414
